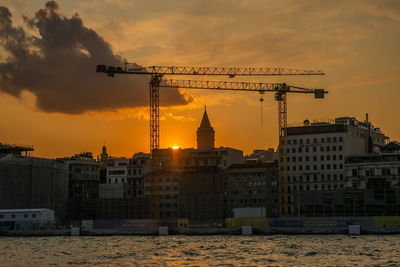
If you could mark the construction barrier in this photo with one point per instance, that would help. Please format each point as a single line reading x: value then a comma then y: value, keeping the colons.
x: 386, y: 221
x: 239, y: 222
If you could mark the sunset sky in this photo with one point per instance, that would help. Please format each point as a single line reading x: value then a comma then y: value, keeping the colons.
x: 52, y: 98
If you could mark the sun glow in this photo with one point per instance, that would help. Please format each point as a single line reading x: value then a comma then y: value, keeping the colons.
x: 175, y: 147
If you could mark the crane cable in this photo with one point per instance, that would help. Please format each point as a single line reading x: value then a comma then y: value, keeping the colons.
x: 261, y: 108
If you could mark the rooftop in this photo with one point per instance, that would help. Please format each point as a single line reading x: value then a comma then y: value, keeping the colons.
x: 23, y: 210
x: 15, y: 149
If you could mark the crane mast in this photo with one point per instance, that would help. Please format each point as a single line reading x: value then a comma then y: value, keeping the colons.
x: 280, y: 89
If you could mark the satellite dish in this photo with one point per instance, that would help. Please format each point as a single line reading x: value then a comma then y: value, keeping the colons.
x: 306, y: 123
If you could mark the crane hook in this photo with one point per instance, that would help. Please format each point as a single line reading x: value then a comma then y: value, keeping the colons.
x: 261, y: 106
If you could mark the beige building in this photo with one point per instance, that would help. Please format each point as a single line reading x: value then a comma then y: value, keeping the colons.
x: 316, y: 152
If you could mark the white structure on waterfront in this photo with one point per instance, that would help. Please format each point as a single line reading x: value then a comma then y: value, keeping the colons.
x: 27, y: 218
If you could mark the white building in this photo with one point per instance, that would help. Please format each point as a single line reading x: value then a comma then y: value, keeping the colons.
x: 315, y: 154
x: 16, y: 219
x: 117, y: 171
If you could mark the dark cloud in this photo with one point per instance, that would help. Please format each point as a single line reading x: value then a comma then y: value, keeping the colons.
x: 57, y: 64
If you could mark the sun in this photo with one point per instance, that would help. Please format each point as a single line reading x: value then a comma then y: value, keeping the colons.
x: 175, y: 147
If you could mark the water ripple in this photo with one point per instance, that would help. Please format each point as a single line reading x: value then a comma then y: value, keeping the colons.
x: 279, y: 250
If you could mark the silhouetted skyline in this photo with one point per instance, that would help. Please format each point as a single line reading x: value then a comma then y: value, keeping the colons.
x: 57, y: 103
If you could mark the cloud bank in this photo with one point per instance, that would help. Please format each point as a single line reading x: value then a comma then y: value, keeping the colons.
x: 54, y: 57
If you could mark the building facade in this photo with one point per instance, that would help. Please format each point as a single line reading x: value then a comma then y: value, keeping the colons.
x: 201, y: 198
x: 17, y: 219
x: 31, y: 182
x: 84, y: 180
x: 251, y: 185
x: 315, y: 155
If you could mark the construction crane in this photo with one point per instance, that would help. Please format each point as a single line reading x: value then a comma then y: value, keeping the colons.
x: 157, y: 73
x: 157, y: 81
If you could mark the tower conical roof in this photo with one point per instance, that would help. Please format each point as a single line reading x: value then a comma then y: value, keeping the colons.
x: 205, y: 122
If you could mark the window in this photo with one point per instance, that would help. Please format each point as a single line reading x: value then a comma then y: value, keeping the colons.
x: 307, y: 158
x: 334, y: 157
x: 300, y: 167
x: 340, y: 148
x: 300, y: 158
x: 369, y: 172
x: 340, y: 157
x: 328, y: 157
x: 322, y: 140
x: 1, y: 216
x: 307, y: 149
x: 25, y: 215
x: 322, y: 166
x: 294, y: 141
x: 328, y: 166
x: 333, y: 148
x: 308, y: 140
x: 13, y: 216
x: 123, y: 180
x: 293, y: 150
x: 315, y: 140
x: 109, y: 181
x: 307, y: 167
x: 288, y: 141
x: 300, y: 150
x: 315, y: 167
x: 322, y: 149
x: 314, y: 149
x: 334, y: 139
x: 301, y: 141
x: 328, y: 148
x: 294, y: 159
x: 328, y: 139
x: 116, y: 172
x: 322, y: 158
x: 116, y: 180
x: 340, y: 138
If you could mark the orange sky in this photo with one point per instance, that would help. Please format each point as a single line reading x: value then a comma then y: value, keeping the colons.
x: 355, y: 42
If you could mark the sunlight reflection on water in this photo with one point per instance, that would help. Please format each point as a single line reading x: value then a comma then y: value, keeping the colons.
x: 317, y: 250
